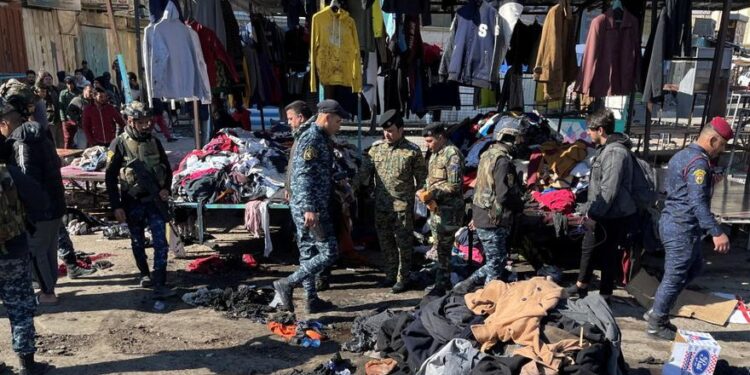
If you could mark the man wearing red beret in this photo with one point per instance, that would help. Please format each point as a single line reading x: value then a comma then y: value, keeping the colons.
x: 685, y: 219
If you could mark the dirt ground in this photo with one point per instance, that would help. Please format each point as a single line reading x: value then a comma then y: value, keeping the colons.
x: 105, y: 324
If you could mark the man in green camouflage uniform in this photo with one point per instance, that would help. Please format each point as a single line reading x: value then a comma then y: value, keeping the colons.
x: 398, y: 168
x: 444, y: 197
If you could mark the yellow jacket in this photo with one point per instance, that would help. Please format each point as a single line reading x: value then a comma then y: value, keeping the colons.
x: 334, y: 50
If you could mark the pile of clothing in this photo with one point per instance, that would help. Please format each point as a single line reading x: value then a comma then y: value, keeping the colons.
x: 93, y: 159
x: 305, y: 333
x: 334, y: 366
x: 246, y: 302
x: 236, y: 166
x: 524, y: 327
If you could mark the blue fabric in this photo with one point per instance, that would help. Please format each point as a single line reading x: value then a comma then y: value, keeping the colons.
x: 495, y: 254
x: 140, y: 215
x: 683, y: 263
x: 317, y: 247
x: 17, y: 295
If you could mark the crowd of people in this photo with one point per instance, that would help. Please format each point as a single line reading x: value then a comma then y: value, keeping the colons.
x: 138, y: 180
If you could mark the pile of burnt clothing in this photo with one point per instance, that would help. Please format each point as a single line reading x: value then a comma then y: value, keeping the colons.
x: 245, y: 302
x: 236, y: 166
x: 507, y: 328
x: 304, y: 333
x: 365, y: 331
x: 92, y: 159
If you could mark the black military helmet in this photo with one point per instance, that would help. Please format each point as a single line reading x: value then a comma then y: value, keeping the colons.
x: 19, y: 95
x: 136, y: 110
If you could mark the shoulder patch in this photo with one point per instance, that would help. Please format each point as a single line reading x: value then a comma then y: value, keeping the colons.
x: 110, y: 155
x: 310, y: 153
x: 378, y: 143
x: 700, y: 176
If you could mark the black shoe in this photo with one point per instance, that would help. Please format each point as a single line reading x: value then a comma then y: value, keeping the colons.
x: 321, y: 284
x: 31, y: 367
x: 146, y: 282
x: 283, y: 296
x: 465, y: 286
x: 659, y: 327
x: 386, y: 283
x: 163, y: 291
x: 400, y: 287
x: 75, y: 272
x: 575, y: 292
x: 317, y: 305
x: 647, y: 317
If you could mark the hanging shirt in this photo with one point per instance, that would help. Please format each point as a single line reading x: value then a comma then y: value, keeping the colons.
x: 213, y: 52
x: 334, y: 51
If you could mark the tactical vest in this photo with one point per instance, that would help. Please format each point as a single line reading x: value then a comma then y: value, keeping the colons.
x: 484, y: 189
x: 146, y: 151
x: 12, y: 212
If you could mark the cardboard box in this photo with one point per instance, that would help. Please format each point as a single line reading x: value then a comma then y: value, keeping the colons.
x: 693, y: 353
x: 690, y: 304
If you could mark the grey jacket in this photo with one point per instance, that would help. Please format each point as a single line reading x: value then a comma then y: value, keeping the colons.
x: 611, y: 179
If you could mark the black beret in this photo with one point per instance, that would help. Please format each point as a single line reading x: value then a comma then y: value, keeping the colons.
x: 391, y: 117
x: 433, y: 129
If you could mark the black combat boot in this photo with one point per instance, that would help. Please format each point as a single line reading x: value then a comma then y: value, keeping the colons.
x: 400, y: 286
x: 575, y: 292
x: 466, y: 286
x: 31, y: 367
x: 161, y: 291
x: 659, y: 327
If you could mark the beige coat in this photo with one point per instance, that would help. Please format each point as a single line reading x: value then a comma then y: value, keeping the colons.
x: 556, y: 63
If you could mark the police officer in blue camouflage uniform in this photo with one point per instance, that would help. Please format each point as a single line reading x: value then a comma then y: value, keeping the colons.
x: 132, y: 202
x: 685, y: 219
x: 21, y: 195
x: 311, y: 188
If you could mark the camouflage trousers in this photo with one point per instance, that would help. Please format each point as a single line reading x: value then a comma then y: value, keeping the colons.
x: 318, y: 250
x: 396, y: 237
x: 495, y: 254
x: 18, y: 298
x: 443, y: 224
x: 140, y: 215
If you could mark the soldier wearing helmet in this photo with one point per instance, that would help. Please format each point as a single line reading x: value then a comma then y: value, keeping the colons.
x: 131, y: 200
x: 497, y: 197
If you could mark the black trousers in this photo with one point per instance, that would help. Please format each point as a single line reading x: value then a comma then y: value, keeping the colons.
x: 602, y: 245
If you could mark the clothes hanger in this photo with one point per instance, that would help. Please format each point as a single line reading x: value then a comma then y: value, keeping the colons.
x: 618, y: 11
x: 335, y: 5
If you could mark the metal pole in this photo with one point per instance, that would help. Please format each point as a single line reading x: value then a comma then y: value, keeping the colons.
x: 139, y: 47
x: 649, y: 102
x: 197, y: 125
x: 714, y: 104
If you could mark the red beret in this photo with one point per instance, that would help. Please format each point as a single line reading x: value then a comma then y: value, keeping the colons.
x: 722, y: 127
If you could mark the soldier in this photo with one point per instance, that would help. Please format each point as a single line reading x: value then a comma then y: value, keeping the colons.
x: 22, y: 195
x: 497, y: 197
x: 134, y: 202
x: 298, y: 115
x: 444, y: 197
x: 685, y: 219
x: 399, y: 170
x: 311, y: 188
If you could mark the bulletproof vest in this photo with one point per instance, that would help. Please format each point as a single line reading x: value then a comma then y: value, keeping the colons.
x: 484, y: 189
x: 146, y: 151
x: 12, y: 212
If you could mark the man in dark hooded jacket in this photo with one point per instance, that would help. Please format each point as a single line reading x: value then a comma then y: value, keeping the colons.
x: 32, y: 150
x: 610, y: 205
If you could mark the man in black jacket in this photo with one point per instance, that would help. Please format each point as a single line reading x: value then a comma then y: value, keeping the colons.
x: 22, y: 198
x: 31, y: 149
x: 609, y: 204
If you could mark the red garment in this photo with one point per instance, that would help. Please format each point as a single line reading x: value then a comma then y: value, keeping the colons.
x: 432, y: 53
x: 69, y: 128
x: 213, y: 51
x: 159, y: 121
x: 563, y: 201
x: 535, y: 161
x: 470, y: 180
x: 100, y: 124
x: 208, y: 265
x: 249, y: 260
x: 477, y: 256
x: 243, y: 117
x: 611, y: 60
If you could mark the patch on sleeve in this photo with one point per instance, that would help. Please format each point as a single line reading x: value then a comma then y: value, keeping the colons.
x: 700, y: 176
x: 110, y: 155
x: 310, y: 153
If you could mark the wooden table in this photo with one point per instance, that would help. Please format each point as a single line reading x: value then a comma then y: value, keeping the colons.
x: 84, y: 180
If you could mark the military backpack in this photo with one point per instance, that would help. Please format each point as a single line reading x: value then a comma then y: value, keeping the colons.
x: 12, y: 212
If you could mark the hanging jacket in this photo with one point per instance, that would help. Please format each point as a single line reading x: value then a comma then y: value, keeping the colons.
x: 101, y: 124
x: 34, y: 152
x: 556, y: 62
x: 672, y: 37
x: 210, y: 14
x: 334, y: 51
x: 470, y: 52
x: 213, y: 52
x: 611, y: 60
